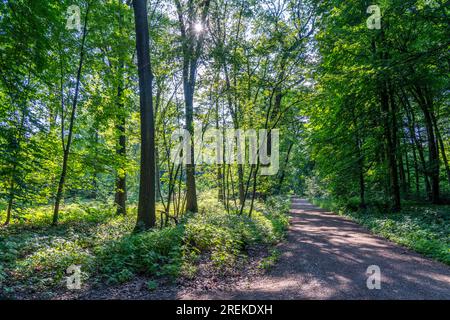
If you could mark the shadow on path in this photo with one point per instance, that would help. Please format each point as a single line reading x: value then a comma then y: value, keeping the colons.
x: 326, y: 256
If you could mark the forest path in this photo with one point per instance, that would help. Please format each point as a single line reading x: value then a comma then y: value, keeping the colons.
x: 326, y: 256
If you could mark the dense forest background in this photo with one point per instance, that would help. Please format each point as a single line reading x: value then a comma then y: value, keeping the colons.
x: 91, y: 92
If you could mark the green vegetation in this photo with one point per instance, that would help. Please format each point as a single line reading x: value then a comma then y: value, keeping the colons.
x: 35, y: 256
x: 268, y: 262
x: 96, y: 96
x: 421, y: 227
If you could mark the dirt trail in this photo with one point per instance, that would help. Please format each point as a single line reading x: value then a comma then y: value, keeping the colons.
x: 326, y: 257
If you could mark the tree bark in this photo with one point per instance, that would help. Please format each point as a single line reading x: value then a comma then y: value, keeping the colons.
x: 192, y: 46
x: 442, y: 148
x: 283, y: 171
x: 191, y: 189
x: 425, y: 104
x: 121, y: 182
x: 388, y: 115
x: 416, y: 166
x: 146, y: 218
x: 417, y: 141
x: 10, y: 203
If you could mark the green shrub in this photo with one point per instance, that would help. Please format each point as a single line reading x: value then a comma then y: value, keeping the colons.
x: 36, y: 255
x: 149, y: 252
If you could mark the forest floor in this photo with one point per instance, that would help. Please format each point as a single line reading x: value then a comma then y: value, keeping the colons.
x: 325, y: 256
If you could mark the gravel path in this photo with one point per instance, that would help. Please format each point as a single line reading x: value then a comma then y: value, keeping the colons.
x: 326, y: 257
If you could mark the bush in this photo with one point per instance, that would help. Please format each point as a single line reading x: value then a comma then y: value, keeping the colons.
x: 157, y: 252
x: 35, y: 255
x: 224, y: 236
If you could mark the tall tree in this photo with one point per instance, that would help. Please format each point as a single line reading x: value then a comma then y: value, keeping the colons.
x: 192, y: 22
x: 67, y: 144
x: 146, y: 208
x: 120, y: 198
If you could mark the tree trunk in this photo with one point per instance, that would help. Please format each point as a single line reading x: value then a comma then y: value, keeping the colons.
x: 412, y: 131
x: 391, y: 151
x: 401, y: 167
x: 157, y: 176
x: 416, y: 166
x: 121, y: 183
x: 94, y: 191
x: 146, y: 218
x: 191, y: 189
x: 362, y: 185
x: 10, y: 203
x: 433, y: 167
x: 157, y: 173
x: 241, y: 183
x: 283, y: 172
x: 220, y: 194
x: 192, y: 46
x: 66, y: 150
x: 442, y: 148
x: 407, y: 164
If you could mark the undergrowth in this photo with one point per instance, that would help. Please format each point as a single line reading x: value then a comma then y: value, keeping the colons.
x: 34, y: 256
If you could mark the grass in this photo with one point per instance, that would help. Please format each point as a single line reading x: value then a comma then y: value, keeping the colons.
x: 270, y: 261
x: 34, y: 256
x: 421, y: 227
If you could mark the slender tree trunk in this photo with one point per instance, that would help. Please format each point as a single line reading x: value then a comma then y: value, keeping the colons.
x: 407, y: 164
x: 394, y: 172
x: 121, y: 176
x: 425, y: 104
x: 146, y: 218
x: 416, y: 166
x: 10, y: 203
x: 401, y: 167
x: 157, y: 175
x: 358, y: 145
x: 423, y: 162
x: 233, y: 191
x: 391, y: 151
x: 241, y: 183
x: 191, y: 189
x: 227, y: 179
x: 434, y: 159
x: 252, y: 202
x: 94, y: 192
x: 247, y: 186
x: 418, y: 144
x: 121, y: 182
x: 219, y: 165
x: 192, y: 45
x: 66, y: 150
x: 283, y: 172
x: 233, y: 111
x: 362, y: 185
x: 442, y: 148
